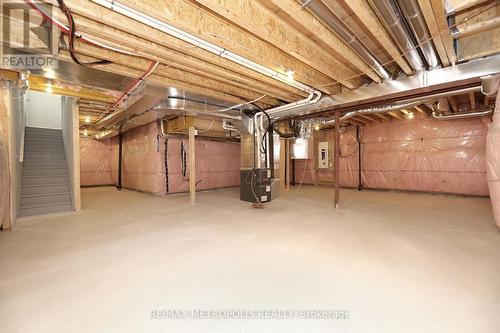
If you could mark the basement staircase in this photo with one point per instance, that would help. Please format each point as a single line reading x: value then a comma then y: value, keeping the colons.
x: 45, y: 183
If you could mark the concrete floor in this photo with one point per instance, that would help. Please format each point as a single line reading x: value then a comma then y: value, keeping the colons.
x: 397, y: 262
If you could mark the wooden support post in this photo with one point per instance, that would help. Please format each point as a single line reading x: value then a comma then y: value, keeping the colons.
x: 336, y: 166
x: 192, y: 162
x: 288, y: 164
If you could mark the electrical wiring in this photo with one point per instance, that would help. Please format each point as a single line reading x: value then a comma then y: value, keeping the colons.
x: 72, y: 36
x: 70, y: 30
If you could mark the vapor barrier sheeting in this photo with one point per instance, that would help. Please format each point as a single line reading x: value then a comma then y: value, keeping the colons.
x: 95, y: 162
x: 493, y: 161
x: 416, y: 155
x: 217, y: 165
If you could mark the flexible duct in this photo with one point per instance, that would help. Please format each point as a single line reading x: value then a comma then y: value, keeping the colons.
x: 389, y: 13
x: 416, y: 21
x: 341, y: 29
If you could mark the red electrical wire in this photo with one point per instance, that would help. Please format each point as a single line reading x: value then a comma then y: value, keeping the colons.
x: 154, y: 64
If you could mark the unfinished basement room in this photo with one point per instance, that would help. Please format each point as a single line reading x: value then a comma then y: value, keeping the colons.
x: 250, y: 166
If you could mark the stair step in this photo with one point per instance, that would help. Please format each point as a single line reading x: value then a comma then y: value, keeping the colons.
x: 47, y: 157
x: 46, y: 171
x: 45, y: 209
x: 34, y: 164
x: 39, y: 130
x: 45, y: 199
x: 44, y: 189
x: 44, y: 180
x: 44, y: 149
x: 43, y: 134
x: 42, y: 142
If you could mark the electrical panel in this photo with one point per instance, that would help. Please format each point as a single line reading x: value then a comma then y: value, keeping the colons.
x: 323, y: 155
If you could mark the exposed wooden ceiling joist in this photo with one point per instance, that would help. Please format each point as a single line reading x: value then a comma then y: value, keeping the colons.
x: 202, y: 61
x: 174, y: 73
x: 197, y: 21
x: 432, y: 24
x: 437, y: 8
x: 366, y: 15
x: 309, y: 25
x: 260, y: 21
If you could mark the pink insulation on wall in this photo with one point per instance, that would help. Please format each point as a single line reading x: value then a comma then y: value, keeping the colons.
x: 143, y: 163
x: 217, y: 165
x: 95, y: 162
x: 493, y: 161
x: 416, y: 155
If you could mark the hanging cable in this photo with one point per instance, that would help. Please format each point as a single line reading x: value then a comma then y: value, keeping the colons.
x: 72, y: 36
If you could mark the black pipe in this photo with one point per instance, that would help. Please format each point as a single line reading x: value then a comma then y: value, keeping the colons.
x: 293, y: 171
x: 166, y: 167
x: 360, y: 182
x: 120, y: 144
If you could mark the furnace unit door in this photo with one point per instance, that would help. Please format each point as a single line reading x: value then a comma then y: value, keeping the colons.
x: 323, y: 155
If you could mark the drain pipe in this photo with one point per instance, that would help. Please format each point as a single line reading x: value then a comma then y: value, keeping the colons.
x: 313, y: 98
x: 389, y: 13
x: 414, y: 17
x: 120, y: 150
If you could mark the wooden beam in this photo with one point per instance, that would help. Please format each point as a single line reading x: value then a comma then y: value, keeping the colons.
x: 432, y: 24
x: 192, y: 165
x: 468, y: 4
x: 423, y: 110
x: 453, y: 103
x: 477, y: 27
x: 396, y: 115
x: 255, y: 18
x: 472, y: 98
x: 193, y: 19
x: 160, y: 81
x: 127, y: 33
x: 39, y: 83
x: 308, y: 25
x: 173, y: 73
x: 357, y: 121
x: 370, y: 118
x: 444, y: 31
x: 383, y: 117
x: 363, y: 11
x: 211, y: 66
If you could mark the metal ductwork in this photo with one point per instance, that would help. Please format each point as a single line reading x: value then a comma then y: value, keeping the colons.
x: 344, y: 32
x: 490, y: 85
x: 388, y: 11
x: 479, y: 113
x: 420, y: 84
x: 414, y: 17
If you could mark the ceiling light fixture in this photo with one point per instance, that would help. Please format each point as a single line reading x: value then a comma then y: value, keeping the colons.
x: 203, y: 44
x: 87, y: 119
